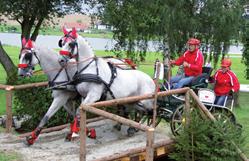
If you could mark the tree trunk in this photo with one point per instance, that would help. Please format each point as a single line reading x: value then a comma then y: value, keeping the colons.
x: 8, y: 65
x: 166, y: 64
x: 37, y: 28
x: 26, y: 26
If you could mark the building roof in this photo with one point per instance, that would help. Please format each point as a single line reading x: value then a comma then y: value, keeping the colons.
x: 77, y: 25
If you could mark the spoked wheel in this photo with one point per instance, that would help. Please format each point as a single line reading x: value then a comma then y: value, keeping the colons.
x: 224, y: 115
x: 178, y: 120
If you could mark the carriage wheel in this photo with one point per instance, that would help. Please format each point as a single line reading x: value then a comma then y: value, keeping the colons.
x: 224, y: 115
x: 178, y: 120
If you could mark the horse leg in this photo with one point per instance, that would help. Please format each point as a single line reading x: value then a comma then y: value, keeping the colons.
x: 140, y: 108
x: 54, y: 107
x: 75, y: 127
x: 122, y: 111
x: 69, y: 107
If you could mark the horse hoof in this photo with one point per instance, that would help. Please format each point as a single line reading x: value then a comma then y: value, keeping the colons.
x: 68, y: 137
x: 75, y: 135
x: 131, y: 131
x: 29, y: 141
x: 117, y: 127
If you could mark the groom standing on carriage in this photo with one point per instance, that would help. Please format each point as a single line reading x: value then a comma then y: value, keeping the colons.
x: 192, y: 60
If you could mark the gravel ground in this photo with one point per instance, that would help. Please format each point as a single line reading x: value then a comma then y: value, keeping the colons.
x: 53, y: 147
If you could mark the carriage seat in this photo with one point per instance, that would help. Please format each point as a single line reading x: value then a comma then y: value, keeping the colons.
x: 201, y: 81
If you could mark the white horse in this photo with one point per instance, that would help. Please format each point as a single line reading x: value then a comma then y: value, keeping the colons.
x: 96, y: 77
x: 31, y: 55
x: 58, y: 75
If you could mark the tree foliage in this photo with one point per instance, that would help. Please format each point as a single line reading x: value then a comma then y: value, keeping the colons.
x: 245, y: 41
x: 31, y: 14
x: 171, y: 22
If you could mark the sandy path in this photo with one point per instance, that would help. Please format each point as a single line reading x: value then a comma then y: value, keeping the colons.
x: 52, y: 146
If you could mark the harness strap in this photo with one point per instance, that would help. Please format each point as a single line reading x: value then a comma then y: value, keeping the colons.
x: 113, y: 71
x: 87, y: 77
x: 59, y: 85
x: 96, y: 63
x: 78, y: 78
x: 57, y: 74
x: 86, y: 66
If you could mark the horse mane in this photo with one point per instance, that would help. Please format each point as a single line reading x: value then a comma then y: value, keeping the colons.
x: 49, y: 53
x: 86, y: 43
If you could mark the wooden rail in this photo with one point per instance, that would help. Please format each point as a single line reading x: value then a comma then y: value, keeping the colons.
x: 132, y: 99
x: 9, y: 96
x: 60, y: 127
x: 162, y: 147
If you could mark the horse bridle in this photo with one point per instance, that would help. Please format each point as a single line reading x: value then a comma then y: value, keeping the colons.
x: 28, y: 56
x: 73, y: 44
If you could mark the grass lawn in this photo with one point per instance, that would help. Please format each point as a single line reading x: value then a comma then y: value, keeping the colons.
x: 242, y: 115
x: 241, y: 112
x: 10, y: 156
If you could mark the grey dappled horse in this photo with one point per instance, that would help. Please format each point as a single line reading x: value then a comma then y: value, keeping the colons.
x: 95, y: 76
x: 31, y: 55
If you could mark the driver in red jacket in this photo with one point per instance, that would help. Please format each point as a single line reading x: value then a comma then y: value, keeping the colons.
x: 225, y: 82
x: 192, y: 60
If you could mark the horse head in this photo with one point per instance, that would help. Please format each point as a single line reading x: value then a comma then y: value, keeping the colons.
x: 74, y: 46
x: 27, y: 58
x: 69, y: 43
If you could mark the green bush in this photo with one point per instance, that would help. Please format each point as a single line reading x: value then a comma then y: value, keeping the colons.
x: 34, y: 102
x: 204, y: 140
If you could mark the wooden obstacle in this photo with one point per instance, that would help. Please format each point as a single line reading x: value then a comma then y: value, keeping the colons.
x: 144, y: 153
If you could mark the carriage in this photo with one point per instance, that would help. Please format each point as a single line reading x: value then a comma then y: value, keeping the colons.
x: 171, y: 108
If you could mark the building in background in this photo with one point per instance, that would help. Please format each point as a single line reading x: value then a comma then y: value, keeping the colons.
x: 79, y: 21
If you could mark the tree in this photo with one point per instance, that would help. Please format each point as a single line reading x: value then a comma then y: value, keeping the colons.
x: 31, y: 14
x: 245, y: 41
x: 171, y: 22
x: 220, y: 22
x: 203, y: 140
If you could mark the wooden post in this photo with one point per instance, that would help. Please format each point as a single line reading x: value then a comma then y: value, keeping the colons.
x: 187, y: 107
x: 158, y: 65
x: 82, y: 135
x: 8, y: 109
x: 149, y: 145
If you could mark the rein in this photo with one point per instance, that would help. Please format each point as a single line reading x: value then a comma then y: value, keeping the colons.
x: 53, y: 83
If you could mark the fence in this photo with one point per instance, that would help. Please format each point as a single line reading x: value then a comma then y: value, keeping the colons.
x: 93, y: 109
x: 150, y: 131
x: 9, y: 95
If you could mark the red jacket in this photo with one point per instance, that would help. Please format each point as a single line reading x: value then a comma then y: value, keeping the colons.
x: 224, y: 82
x: 195, y: 59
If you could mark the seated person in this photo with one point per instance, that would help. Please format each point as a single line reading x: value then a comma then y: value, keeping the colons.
x: 225, y: 82
x: 192, y: 60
